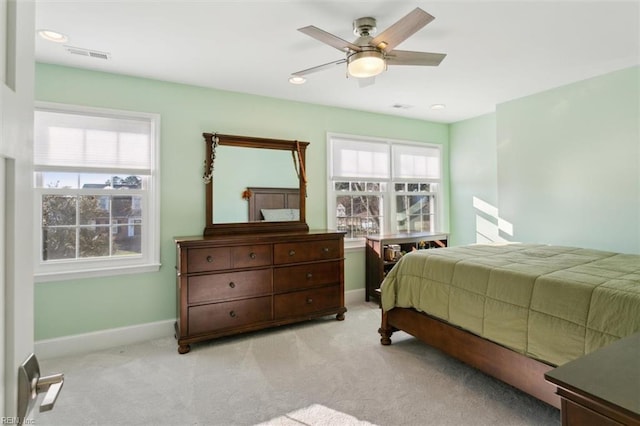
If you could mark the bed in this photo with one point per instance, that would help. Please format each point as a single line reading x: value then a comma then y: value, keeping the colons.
x: 514, y: 311
x: 274, y: 204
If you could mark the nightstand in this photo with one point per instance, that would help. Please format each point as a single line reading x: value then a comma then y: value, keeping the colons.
x: 384, y: 251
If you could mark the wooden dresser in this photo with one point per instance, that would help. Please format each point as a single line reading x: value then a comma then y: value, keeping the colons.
x: 230, y: 284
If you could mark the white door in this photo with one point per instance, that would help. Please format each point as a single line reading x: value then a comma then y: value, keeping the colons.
x: 17, y: 63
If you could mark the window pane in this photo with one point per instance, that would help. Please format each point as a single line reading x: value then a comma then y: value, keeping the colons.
x: 58, y: 210
x: 413, y: 213
x: 58, y: 243
x: 94, y: 210
x: 94, y: 180
x: 126, y: 238
x: 127, y: 217
x: 126, y: 182
x: 359, y: 215
x: 94, y: 242
x: 342, y: 186
x: 56, y: 180
x: 373, y: 187
x: 358, y: 186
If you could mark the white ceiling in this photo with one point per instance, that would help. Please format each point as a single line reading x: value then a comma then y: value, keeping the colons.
x: 496, y: 51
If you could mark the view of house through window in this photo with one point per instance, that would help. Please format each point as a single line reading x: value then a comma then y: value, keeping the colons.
x: 94, y: 180
x: 380, y: 186
x: 75, y: 225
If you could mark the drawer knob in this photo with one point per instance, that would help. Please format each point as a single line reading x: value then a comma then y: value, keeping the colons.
x: 232, y: 314
x: 309, y: 275
x: 209, y: 259
x: 309, y: 301
x: 292, y: 252
x: 252, y: 255
x: 232, y: 284
x: 325, y: 249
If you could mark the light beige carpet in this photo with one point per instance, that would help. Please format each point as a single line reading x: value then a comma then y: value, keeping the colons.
x: 247, y: 379
x: 316, y: 415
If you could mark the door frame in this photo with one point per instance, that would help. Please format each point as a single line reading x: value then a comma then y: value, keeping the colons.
x: 17, y: 75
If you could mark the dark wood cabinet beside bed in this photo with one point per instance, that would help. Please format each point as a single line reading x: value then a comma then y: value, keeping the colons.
x: 231, y: 284
x: 379, y: 258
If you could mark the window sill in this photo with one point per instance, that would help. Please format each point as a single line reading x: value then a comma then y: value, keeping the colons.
x: 95, y: 273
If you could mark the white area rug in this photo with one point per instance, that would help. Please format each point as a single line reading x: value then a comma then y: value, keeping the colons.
x: 316, y: 415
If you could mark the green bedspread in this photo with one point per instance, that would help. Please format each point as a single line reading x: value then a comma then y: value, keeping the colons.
x: 551, y: 303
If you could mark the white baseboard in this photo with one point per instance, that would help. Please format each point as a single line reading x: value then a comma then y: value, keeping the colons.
x: 113, y: 337
x: 97, y: 340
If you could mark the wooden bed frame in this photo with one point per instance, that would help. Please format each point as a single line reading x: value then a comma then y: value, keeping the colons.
x: 271, y: 198
x: 511, y: 367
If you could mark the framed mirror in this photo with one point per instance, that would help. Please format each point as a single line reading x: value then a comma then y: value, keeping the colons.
x: 254, y: 185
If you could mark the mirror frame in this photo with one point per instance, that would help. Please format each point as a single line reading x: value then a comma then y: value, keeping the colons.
x: 295, y: 147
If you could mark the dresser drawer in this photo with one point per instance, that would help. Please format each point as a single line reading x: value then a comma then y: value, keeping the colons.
x: 306, y: 302
x: 208, y: 259
x: 218, y: 316
x: 303, y: 276
x: 284, y: 253
x: 251, y: 256
x: 230, y: 285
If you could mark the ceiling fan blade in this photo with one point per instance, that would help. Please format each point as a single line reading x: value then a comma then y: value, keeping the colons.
x: 406, y: 57
x: 330, y: 39
x: 401, y: 30
x: 320, y: 67
x: 365, y: 82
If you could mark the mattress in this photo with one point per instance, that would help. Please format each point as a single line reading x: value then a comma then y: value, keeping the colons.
x: 551, y: 303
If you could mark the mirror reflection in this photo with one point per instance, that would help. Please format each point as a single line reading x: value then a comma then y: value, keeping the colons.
x: 239, y: 168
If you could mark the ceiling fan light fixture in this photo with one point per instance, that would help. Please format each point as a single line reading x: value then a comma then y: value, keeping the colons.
x: 367, y: 63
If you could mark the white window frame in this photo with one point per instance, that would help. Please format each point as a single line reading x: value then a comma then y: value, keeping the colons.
x: 389, y: 226
x: 149, y: 259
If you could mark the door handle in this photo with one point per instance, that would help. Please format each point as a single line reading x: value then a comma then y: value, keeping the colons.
x: 51, y: 385
x: 31, y: 383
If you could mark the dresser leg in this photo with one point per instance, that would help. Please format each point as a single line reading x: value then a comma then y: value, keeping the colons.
x: 183, y: 349
x: 340, y: 314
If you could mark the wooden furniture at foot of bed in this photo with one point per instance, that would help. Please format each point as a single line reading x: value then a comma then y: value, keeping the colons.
x: 603, y: 387
x: 511, y: 367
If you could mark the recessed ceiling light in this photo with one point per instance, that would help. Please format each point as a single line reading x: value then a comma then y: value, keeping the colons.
x: 296, y: 79
x: 438, y: 106
x: 53, y: 36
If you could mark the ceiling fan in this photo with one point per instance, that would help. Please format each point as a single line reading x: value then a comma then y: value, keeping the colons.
x: 368, y: 56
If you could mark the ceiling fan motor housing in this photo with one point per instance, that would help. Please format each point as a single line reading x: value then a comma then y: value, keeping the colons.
x: 364, y: 26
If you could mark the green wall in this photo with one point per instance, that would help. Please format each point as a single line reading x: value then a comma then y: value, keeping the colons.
x: 474, y: 180
x: 558, y: 167
x: 65, y: 308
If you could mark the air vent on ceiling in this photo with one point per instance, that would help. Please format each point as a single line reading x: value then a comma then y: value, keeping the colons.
x: 87, y: 52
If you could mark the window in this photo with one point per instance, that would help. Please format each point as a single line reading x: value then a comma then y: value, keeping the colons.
x: 96, y: 186
x: 380, y: 186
